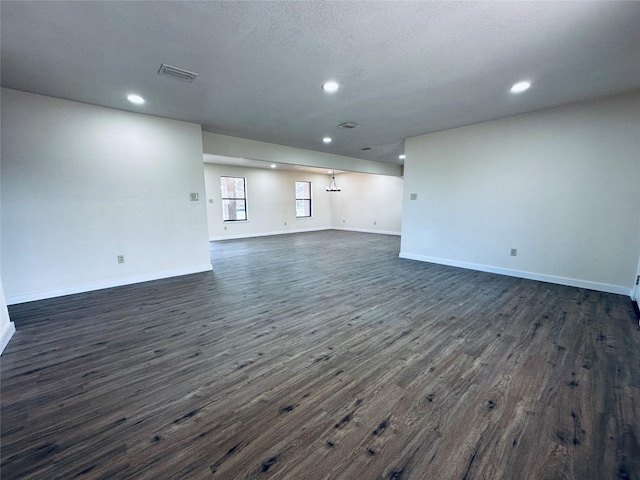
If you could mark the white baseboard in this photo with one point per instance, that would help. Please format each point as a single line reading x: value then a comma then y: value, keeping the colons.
x: 6, y: 335
x: 570, y: 282
x: 267, y: 234
x: 60, y: 292
x: 365, y: 230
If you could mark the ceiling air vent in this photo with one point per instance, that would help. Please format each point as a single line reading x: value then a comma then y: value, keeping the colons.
x: 177, y: 73
x: 348, y: 125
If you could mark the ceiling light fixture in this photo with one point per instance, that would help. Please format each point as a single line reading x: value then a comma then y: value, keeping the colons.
x: 402, y: 157
x: 326, y: 139
x: 137, y: 99
x: 332, y: 184
x: 330, y: 87
x: 520, y: 87
x: 273, y: 165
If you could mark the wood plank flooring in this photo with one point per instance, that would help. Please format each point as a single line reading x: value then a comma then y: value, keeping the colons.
x: 323, y: 356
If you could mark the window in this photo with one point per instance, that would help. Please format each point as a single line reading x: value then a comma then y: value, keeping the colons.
x: 234, y: 199
x: 303, y: 199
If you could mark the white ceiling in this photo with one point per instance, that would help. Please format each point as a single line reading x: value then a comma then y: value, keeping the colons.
x: 251, y: 163
x: 405, y: 68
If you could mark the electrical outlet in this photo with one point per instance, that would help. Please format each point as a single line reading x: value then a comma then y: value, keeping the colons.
x: 285, y: 223
x: 120, y: 258
x: 374, y: 223
x: 514, y: 252
x: 414, y: 196
x: 211, y: 200
x: 225, y: 228
x: 343, y: 221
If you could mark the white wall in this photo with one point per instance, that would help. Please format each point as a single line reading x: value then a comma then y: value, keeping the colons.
x: 82, y: 184
x: 270, y: 202
x: 363, y: 200
x: 7, y: 328
x: 560, y: 185
x: 369, y: 203
x: 635, y: 294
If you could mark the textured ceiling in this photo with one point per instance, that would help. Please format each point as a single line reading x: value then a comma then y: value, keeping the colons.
x: 405, y: 68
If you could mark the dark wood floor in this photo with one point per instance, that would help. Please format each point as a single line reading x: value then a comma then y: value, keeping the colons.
x: 324, y: 356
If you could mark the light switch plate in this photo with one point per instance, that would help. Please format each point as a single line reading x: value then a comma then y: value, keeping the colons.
x: 194, y: 197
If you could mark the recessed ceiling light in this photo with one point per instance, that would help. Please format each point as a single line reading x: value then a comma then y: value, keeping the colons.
x: 402, y: 157
x: 520, y: 87
x: 326, y: 139
x: 273, y: 165
x: 137, y: 99
x: 330, y: 87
